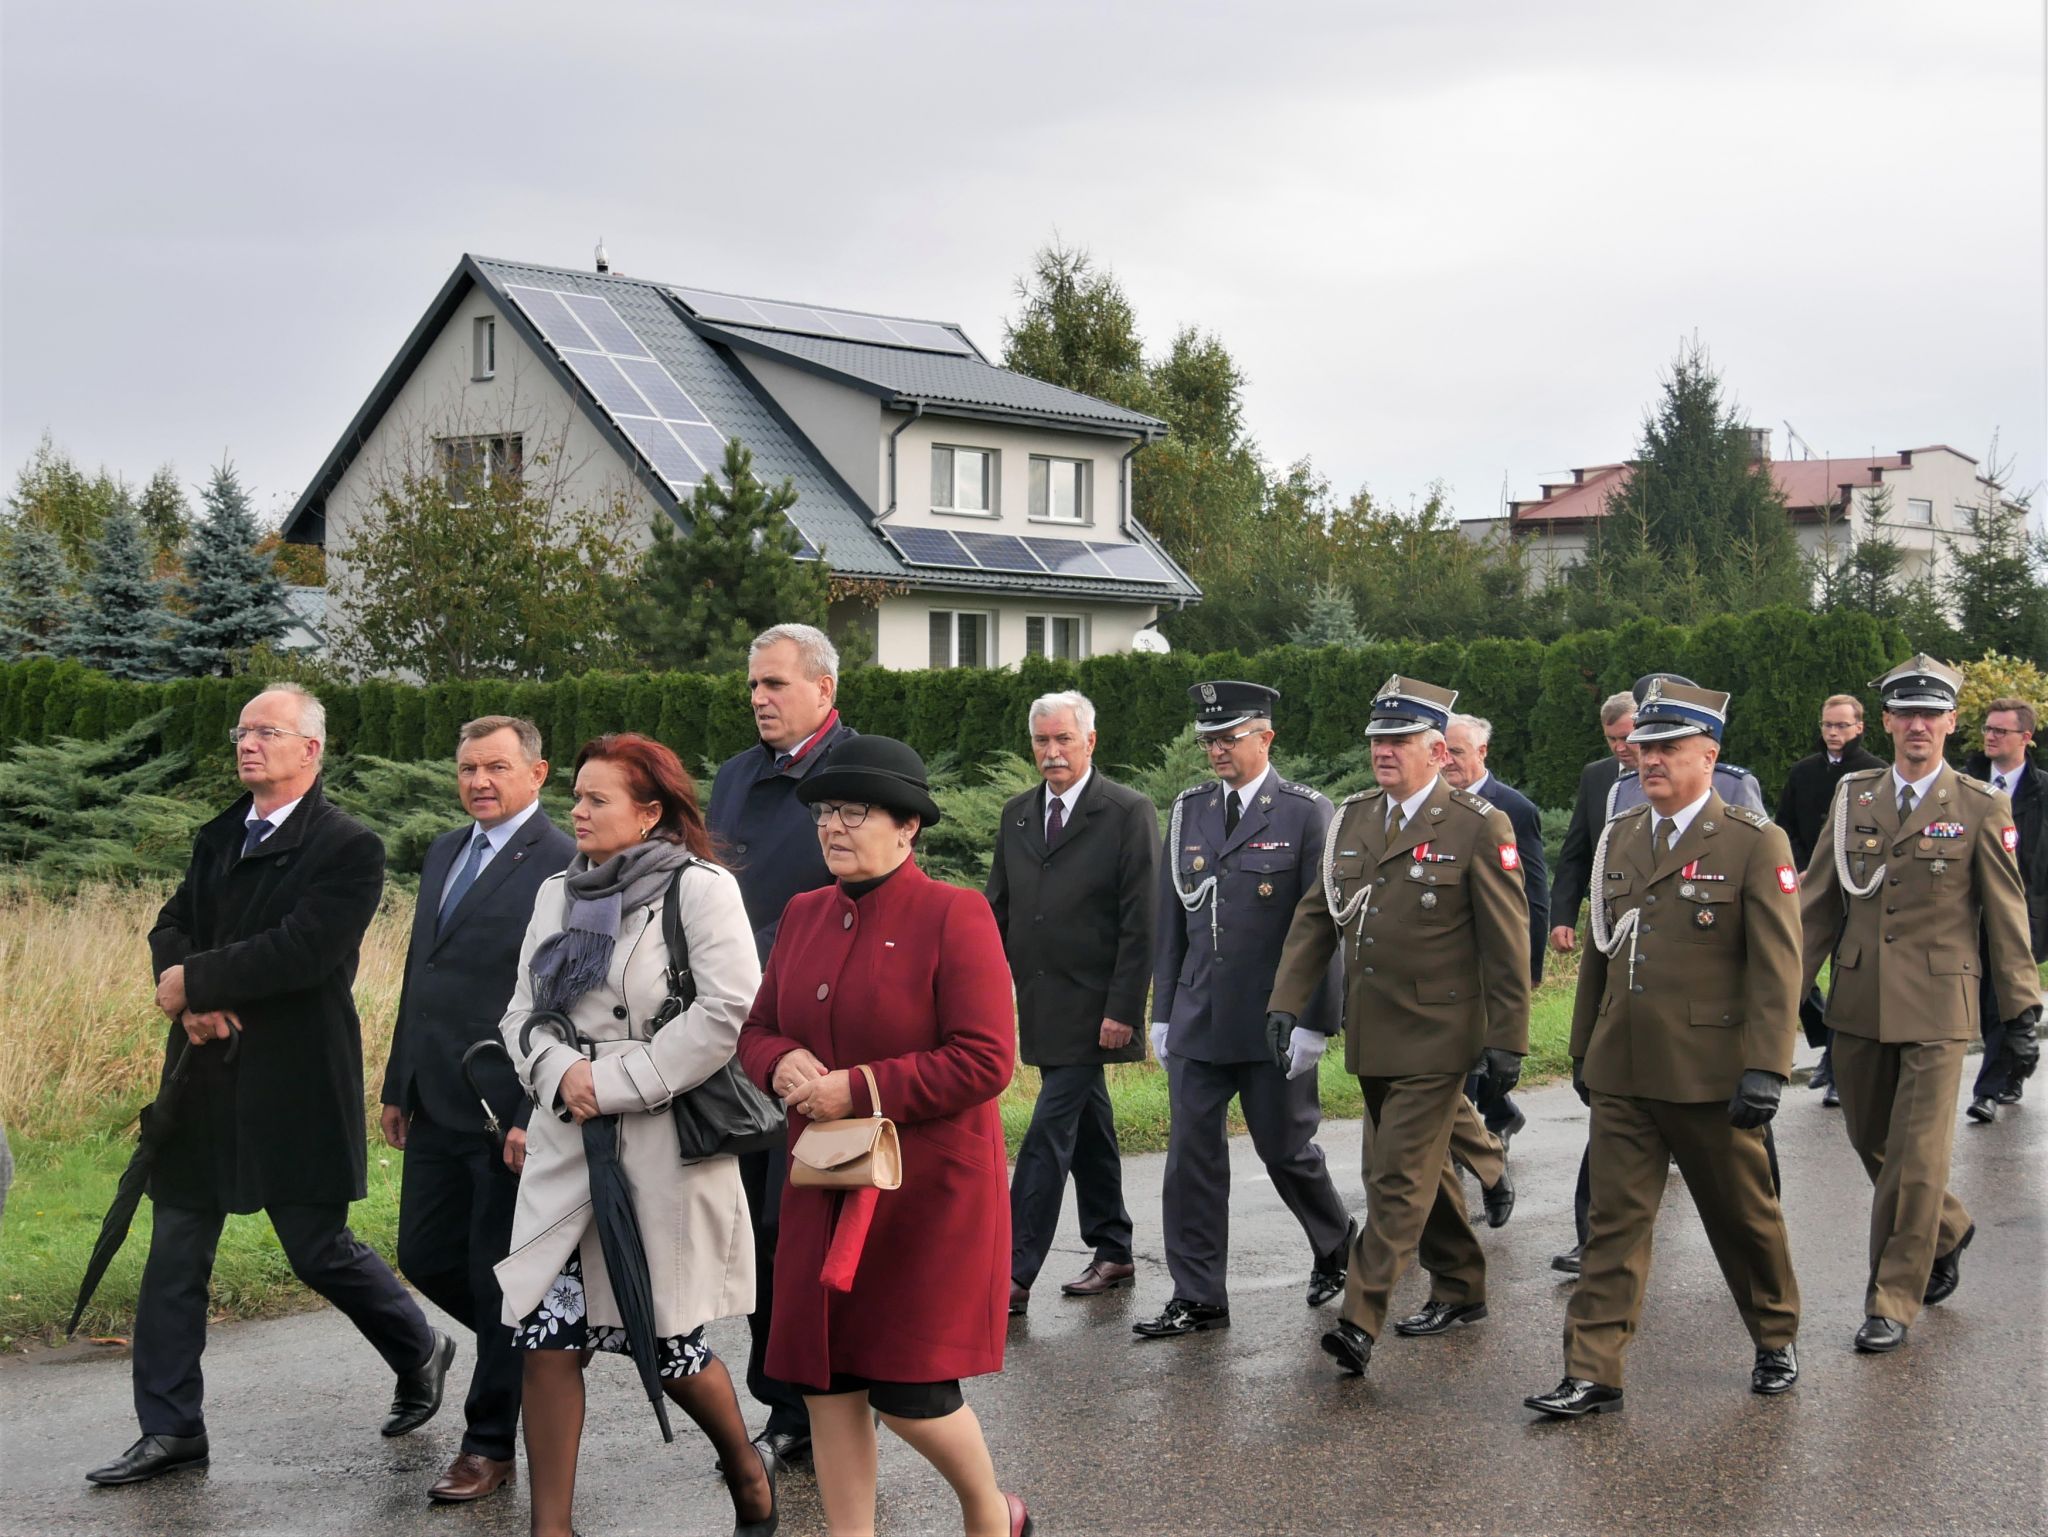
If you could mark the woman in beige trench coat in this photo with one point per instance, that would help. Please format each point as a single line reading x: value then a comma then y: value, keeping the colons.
x: 594, y: 950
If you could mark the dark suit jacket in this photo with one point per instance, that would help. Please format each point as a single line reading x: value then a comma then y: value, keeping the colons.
x: 1808, y: 794
x: 1076, y: 920
x: 1575, y: 860
x: 1528, y: 825
x: 765, y: 835
x: 2030, y: 816
x: 458, y: 978
x: 273, y: 937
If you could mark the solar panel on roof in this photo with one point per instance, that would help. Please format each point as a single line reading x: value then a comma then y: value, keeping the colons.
x: 931, y: 547
x: 723, y: 307
x: 1000, y: 552
x: 860, y: 328
x: 662, y: 392
x: 1131, y: 562
x: 813, y: 320
x: 607, y: 383
x: 1067, y: 557
x: 934, y: 338
x: 603, y: 322
x: 706, y: 442
x: 546, y: 310
x: 670, y: 459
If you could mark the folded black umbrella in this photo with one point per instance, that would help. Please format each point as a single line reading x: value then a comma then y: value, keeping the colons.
x: 494, y: 1129
x: 618, y: 1228
x: 1813, y: 1018
x: 158, y: 1120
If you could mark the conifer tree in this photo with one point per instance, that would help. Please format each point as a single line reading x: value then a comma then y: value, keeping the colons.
x: 120, y: 624
x: 699, y: 598
x: 232, y: 595
x: 1329, y: 619
x: 35, y: 605
x: 166, y: 515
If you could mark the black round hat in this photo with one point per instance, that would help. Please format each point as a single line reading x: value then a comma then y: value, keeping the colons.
x: 877, y: 769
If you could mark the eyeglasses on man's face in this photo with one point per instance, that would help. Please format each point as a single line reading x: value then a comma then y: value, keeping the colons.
x: 1211, y: 743
x: 2005, y: 731
x: 265, y: 734
x: 851, y: 813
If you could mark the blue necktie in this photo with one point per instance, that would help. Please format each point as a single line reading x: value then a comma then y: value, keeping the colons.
x: 254, y: 836
x: 464, y: 879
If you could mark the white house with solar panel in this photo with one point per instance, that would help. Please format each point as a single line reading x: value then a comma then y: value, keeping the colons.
x: 995, y: 509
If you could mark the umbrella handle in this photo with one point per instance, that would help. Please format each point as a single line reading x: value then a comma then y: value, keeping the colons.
x: 555, y: 1023
x: 184, y: 1062
x: 492, y: 1124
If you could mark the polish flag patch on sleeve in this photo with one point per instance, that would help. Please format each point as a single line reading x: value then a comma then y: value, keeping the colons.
x: 1788, y: 879
x: 2010, y: 837
x: 1510, y: 857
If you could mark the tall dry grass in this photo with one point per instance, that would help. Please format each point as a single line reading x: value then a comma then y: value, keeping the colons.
x: 81, y: 1040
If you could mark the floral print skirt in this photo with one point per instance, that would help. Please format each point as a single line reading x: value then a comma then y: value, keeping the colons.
x: 559, y: 1324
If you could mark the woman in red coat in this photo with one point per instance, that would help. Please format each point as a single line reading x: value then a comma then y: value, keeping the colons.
x: 895, y: 971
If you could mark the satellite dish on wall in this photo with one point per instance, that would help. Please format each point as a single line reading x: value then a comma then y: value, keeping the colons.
x: 1151, y: 642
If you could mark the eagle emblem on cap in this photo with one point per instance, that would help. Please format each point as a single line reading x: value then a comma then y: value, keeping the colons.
x: 1208, y: 693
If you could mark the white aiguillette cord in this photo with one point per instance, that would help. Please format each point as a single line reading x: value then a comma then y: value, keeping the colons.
x: 1341, y: 912
x: 1606, y: 939
x: 1842, y: 850
x: 1204, y: 890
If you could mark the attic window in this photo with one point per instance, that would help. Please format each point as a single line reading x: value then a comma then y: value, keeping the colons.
x: 469, y: 462
x: 483, y: 347
x: 963, y: 480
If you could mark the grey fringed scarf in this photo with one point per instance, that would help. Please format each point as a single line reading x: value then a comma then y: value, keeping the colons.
x: 569, y: 963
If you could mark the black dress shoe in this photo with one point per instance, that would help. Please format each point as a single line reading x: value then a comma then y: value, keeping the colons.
x: 1568, y: 1261
x: 1440, y: 1317
x: 1509, y: 1132
x: 150, y: 1456
x: 1879, y: 1335
x: 1349, y: 1346
x: 417, y: 1397
x: 765, y: 1527
x: 2009, y: 1096
x: 1984, y: 1109
x: 1775, y: 1371
x: 1947, y: 1273
x: 1831, y: 1097
x: 783, y: 1449
x: 1499, y: 1198
x: 1327, y: 1279
x: 1574, y: 1398
x: 1183, y: 1318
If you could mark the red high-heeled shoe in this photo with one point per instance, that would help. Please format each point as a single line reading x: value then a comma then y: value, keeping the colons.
x: 1020, y: 1518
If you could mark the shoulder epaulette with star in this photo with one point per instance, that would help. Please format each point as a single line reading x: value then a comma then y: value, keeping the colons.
x: 1979, y: 785
x: 1736, y: 769
x: 1193, y: 790
x: 1471, y: 802
x: 1630, y: 811
x: 1369, y: 793
x: 1748, y: 814
x: 1869, y: 773
x: 1306, y: 792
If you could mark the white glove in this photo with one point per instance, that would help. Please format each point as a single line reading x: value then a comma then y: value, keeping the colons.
x: 1304, y: 1050
x: 1159, y: 1028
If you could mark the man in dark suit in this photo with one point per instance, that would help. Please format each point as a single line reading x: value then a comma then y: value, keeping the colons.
x: 768, y: 840
x: 1071, y: 886
x: 455, y: 1208
x: 2004, y: 765
x: 261, y: 936
x: 1240, y: 850
x: 1467, y: 740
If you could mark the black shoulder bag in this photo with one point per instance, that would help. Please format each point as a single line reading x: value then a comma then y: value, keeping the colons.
x: 725, y: 1113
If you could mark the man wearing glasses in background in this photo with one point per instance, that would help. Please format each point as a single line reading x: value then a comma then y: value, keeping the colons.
x: 2004, y: 765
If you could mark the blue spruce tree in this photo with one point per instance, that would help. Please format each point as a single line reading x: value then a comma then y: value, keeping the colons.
x: 35, y: 609
x: 233, y: 597
x: 120, y: 624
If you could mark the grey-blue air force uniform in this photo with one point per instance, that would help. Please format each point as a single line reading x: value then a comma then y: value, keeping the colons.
x: 1210, y: 984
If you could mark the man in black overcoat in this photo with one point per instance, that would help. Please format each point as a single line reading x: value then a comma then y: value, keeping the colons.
x: 2006, y: 765
x: 1072, y: 890
x: 455, y: 1210
x: 262, y: 935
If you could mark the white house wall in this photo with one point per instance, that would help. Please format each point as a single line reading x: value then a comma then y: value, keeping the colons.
x: 1014, y: 447
x: 842, y: 423
x: 903, y: 625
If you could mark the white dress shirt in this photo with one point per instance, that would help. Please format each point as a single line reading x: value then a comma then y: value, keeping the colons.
x: 495, y: 838
x: 1067, y: 801
x: 275, y: 819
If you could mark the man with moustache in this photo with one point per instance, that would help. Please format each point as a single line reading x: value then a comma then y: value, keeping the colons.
x: 1071, y: 885
x: 1421, y: 886
x: 769, y: 841
x: 1917, y: 860
x: 477, y: 888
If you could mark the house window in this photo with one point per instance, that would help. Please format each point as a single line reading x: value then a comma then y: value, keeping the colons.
x: 1063, y: 637
x: 963, y: 480
x: 962, y: 638
x: 1918, y: 511
x: 483, y: 347
x: 1059, y: 490
x: 468, y: 462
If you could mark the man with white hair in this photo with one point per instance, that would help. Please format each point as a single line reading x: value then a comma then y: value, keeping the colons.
x: 769, y: 841
x: 1071, y: 886
x: 255, y: 961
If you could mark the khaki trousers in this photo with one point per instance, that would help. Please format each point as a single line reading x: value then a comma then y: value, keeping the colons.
x: 1415, y: 1200
x: 1899, y: 1105
x: 1631, y: 1146
x: 1471, y: 1145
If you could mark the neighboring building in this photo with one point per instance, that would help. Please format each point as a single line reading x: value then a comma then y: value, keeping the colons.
x: 991, y: 510
x: 307, y: 632
x: 1935, y: 496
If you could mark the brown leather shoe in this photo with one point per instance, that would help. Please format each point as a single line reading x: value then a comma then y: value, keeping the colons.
x: 470, y: 1477
x: 1102, y: 1276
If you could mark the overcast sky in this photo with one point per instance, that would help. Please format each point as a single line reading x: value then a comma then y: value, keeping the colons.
x: 1455, y: 241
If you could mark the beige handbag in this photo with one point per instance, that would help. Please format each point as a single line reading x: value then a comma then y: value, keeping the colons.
x: 857, y: 1153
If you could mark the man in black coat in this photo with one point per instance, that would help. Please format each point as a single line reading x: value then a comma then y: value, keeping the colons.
x: 262, y: 936
x: 1589, y: 816
x: 455, y: 1209
x: 1071, y: 886
x: 769, y: 841
x: 2005, y: 765
x: 1810, y: 783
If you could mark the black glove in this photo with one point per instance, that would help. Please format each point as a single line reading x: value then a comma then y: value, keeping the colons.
x: 1755, y: 1100
x: 1579, y: 1081
x: 2023, y: 1045
x: 1501, y: 1069
x: 1813, y: 1018
x: 1279, y: 1031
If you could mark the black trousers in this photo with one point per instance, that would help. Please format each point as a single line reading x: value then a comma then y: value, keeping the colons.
x: 455, y: 1223
x: 170, y: 1316
x: 1073, y: 1130
x: 1993, y: 1075
x: 1582, y: 1193
x: 1496, y: 1113
x: 762, y: 1175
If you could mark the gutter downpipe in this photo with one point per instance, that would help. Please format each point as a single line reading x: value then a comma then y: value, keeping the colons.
x: 916, y: 411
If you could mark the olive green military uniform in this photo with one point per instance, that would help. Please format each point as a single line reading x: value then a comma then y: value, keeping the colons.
x: 1903, y: 995
x: 1436, y: 967
x: 1706, y: 989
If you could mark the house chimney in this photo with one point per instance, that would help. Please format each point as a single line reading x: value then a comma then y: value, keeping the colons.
x: 1759, y: 441
x: 604, y: 262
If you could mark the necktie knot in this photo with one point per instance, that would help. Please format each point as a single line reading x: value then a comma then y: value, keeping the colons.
x: 1905, y: 801
x: 465, y: 877
x: 1055, y: 820
x: 1396, y: 819
x: 1665, y: 827
x: 253, y: 837
x: 1999, y: 782
x: 1232, y: 810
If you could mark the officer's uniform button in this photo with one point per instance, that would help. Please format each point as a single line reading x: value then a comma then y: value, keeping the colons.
x: 1368, y: 939
x: 846, y: 920
x: 823, y: 989
x: 1368, y: 971
x: 1650, y: 901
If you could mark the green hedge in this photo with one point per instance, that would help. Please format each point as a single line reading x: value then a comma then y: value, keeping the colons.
x: 1543, y: 699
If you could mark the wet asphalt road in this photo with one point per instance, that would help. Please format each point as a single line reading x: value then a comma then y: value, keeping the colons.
x: 1249, y: 1429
